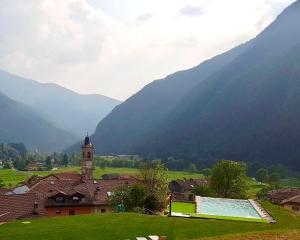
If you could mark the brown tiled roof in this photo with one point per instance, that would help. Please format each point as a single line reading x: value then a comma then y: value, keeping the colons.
x: 19, y: 206
x: 190, y: 184
x: 47, y: 186
x: 95, y: 191
x: 68, y: 176
x: 104, y: 187
x: 295, y: 199
x: 279, y: 195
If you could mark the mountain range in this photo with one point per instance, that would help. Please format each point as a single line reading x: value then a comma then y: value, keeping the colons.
x: 65, y: 109
x: 241, y: 105
x: 20, y: 123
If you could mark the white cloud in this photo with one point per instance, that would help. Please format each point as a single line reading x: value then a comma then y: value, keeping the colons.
x: 116, y: 47
x: 191, y: 11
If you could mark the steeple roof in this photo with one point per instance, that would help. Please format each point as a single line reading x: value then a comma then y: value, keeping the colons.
x: 87, y: 140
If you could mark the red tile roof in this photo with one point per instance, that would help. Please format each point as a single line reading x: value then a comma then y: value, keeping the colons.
x: 68, y: 176
x: 292, y: 200
x: 95, y: 191
x: 279, y: 195
x: 19, y: 206
x: 186, y: 185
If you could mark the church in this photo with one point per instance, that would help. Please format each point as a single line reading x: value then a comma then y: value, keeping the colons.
x: 62, y: 194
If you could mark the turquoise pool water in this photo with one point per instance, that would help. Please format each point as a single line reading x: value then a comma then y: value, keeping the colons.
x: 226, y: 207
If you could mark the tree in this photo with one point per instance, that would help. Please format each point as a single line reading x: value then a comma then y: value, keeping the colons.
x: 274, y: 180
x: 229, y: 179
x: 154, y: 176
x: 131, y: 196
x: 279, y: 169
x: 203, y: 191
x: 49, y: 162
x: 262, y: 175
x: 192, y: 167
x: 263, y: 193
x: 65, y: 160
x: 206, y: 172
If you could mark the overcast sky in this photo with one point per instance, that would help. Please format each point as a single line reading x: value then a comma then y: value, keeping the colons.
x: 115, y: 47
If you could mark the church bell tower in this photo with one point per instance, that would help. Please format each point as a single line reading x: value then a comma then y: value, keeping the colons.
x: 87, y: 159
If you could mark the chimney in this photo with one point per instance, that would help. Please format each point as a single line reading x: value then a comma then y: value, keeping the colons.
x: 97, y: 193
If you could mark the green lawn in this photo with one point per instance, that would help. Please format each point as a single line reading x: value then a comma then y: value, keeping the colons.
x: 290, y: 183
x: 129, y: 226
x: 254, y: 188
x: 14, y: 177
x: 186, y: 208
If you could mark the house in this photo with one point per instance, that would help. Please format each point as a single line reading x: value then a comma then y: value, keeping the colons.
x: 19, y: 206
x: 288, y: 198
x: 73, y: 193
x: 187, y: 185
x: 292, y: 204
x: 279, y: 195
x: 36, y: 166
x: 61, y: 194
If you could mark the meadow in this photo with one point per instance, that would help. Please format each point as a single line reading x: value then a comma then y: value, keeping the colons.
x: 112, y: 226
x: 13, y: 177
x: 290, y: 183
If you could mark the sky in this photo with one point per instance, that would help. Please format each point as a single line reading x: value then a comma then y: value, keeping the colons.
x: 116, y: 47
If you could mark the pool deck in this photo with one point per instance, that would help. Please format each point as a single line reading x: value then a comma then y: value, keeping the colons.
x: 261, y: 211
x: 198, y: 202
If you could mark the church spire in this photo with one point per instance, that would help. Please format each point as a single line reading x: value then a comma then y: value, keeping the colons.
x: 87, y: 159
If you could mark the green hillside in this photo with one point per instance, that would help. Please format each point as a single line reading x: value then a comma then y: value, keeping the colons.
x: 129, y: 226
x: 19, y: 123
x: 244, y: 107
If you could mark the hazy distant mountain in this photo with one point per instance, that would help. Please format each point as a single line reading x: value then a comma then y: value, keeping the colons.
x: 241, y: 105
x: 66, y: 109
x: 19, y: 123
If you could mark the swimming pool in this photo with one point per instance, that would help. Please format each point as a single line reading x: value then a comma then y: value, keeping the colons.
x: 226, y: 207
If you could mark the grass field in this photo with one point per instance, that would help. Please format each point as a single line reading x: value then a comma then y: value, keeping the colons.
x: 272, y: 235
x: 14, y: 177
x: 181, y: 207
x: 128, y: 226
x: 254, y: 188
x: 290, y: 183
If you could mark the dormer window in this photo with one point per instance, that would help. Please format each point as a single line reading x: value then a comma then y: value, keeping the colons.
x: 76, y: 199
x: 59, y: 199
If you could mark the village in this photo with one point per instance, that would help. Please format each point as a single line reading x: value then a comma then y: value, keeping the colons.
x: 72, y: 193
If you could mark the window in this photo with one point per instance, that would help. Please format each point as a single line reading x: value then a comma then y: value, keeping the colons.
x: 58, y: 211
x: 103, y: 210
x: 89, y: 155
x: 76, y: 199
x: 295, y: 208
